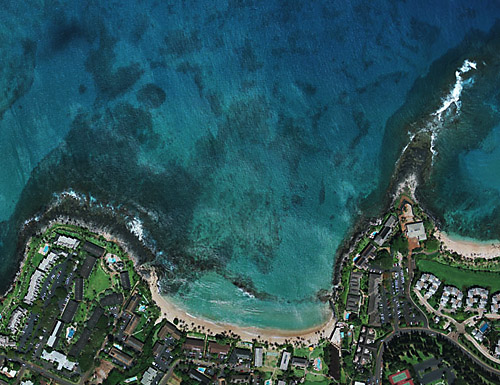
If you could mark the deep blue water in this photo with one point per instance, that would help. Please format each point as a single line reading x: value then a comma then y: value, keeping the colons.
x: 244, y: 135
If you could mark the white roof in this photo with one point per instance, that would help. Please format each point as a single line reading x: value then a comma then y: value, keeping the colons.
x: 416, y: 230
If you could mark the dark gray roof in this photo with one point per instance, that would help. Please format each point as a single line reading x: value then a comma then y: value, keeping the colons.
x: 194, y: 374
x: 125, y: 280
x: 78, y: 289
x: 69, y: 311
x: 80, y: 344
x: 112, y: 299
x: 299, y: 361
x: 94, y: 318
x: 87, y: 266
x: 93, y: 249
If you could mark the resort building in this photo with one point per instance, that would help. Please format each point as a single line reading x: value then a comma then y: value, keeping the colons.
x: 353, y: 298
x: 497, y: 349
x: 149, y: 376
x: 58, y: 358
x: 300, y: 362
x: 366, y: 254
x: 93, y: 249
x: 429, y: 284
x: 48, y: 262
x: 452, y: 296
x: 477, y: 297
x: 285, y: 360
x: 495, y: 303
x: 55, y: 333
x: 258, y: 357
x: 240, y: 356
x: 416, y: 230
x: 169, y: 328
x: 15, y: 319
x: 34, y: 287
x: 134, y: 343
x: 194, y: 346
x: 219, y: 350
x: 385, y: 231
x: 69, y: 242
x: 121, y: 357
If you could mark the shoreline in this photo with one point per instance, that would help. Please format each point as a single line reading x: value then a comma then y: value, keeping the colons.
x: 471, y: 249
x: 170, y: 311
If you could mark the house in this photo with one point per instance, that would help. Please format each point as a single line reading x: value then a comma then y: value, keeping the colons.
x: 121, y: 357
x: 285, y: 360
x: 194, y: 345
x: 416, y: 230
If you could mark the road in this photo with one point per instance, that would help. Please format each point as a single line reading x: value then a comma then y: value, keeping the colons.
x: 43, y: 371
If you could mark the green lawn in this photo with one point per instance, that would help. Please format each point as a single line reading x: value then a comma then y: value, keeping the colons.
x: 461, y: 278
x: 316, y: 380
x: 98, y: 282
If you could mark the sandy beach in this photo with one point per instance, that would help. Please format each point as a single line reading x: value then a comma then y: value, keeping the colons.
x: 469, y: 249
x: 171, y: 311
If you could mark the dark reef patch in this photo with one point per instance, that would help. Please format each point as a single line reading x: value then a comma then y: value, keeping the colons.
x: 100, y: 63
x: 16, y: 78
x: 150, y: 95
x: 248, y: 59
x: 180, y: 43
x: 63, y: 31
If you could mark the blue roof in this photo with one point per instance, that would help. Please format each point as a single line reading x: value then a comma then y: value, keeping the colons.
x: 483, y: 328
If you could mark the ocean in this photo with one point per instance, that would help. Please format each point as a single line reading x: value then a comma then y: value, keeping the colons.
x: 244, y: 139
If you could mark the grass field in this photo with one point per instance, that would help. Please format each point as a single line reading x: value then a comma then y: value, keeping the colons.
x: 461, y: 278
x: 312, y: 379
x: 99, y: 281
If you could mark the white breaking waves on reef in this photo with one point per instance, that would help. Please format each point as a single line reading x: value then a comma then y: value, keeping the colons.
x: 136, y: 228
x: 452, y: 98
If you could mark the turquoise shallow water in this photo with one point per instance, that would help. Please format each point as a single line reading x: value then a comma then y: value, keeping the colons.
x: 244, y: 136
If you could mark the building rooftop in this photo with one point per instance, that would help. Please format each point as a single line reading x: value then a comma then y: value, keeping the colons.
x: 416, y: 230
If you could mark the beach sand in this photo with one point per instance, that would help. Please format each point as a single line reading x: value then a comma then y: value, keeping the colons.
x: 469, y: 249
x: 170, y: 311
